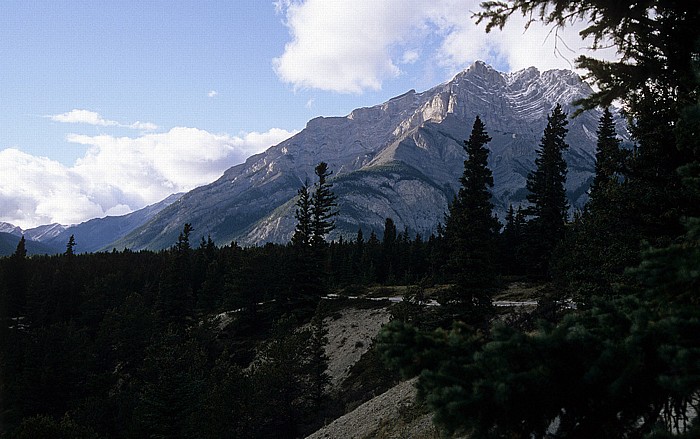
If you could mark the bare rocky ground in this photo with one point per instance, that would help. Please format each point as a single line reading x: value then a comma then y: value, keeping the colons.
x: 350, y: 334
x: 394, y: 413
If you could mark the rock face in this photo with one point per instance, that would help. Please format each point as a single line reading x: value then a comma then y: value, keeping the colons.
x: 401, y: 159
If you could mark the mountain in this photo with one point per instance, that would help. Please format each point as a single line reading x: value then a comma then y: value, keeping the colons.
x: 46, y: 232
x: 90, y: 236
x: 10, y: 228
x: 401, y: 159
x: 96, y: 234
x: 9, y: 241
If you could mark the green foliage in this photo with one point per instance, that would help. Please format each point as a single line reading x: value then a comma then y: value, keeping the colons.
x: 172, y: 379
x: 603, y: 239
x: 45, y: 427
x: 324, y: 204
x: 626, y: 363
x: 302, y: 233
x: 548, y: 207
x: 471, y: 231
x: 612, y: 371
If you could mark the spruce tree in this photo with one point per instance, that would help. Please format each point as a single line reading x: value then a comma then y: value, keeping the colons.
x: 512, y: 242
x: 471, y: 229
x: 303, y: 214
x: 70, y: 246
x: 603, y: 239
x: 314, y: 215
x: 16, y: 280
x: 176, y: 298
x: 324, y: 206
x: 609, y: 160
x: 547, y: 196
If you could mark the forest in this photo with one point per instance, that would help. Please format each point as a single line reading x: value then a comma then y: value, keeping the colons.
x: 131, y: 344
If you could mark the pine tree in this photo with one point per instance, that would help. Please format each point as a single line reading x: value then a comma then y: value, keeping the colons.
x: 314, y: 215
x: 70, y: 246
x: 324, y: 206
x: 471, y: 228
x: 17, y: 282
x: 609, y: 160
x: 303, y: 232
x: 176, y: 296
x: 603, y: 239
x: 512, y: 242
x: 547, y: 196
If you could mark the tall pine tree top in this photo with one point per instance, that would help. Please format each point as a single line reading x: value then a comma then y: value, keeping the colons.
x: 609, y: 163
x: 471, y: 228
x: 324, y: 205
x: 548, y: 209
x: 477, y: 178
x: 547, y: 194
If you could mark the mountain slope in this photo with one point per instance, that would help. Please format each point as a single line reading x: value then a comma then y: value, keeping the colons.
x: 401, y: 159
x: 96, y: 234
x: 93, y: 235
x: 9, y: 241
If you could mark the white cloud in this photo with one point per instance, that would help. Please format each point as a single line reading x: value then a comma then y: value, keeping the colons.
x: 349, y: 46
x: 212, y: 93
x: 83, y: 116
x: 143, y: 126
x: 119, y: 174
x: 410, y: 57
x: 343, y: 46
x: 93, y: 118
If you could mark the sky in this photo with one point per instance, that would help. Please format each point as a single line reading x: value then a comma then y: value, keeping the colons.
x: 109, y: 106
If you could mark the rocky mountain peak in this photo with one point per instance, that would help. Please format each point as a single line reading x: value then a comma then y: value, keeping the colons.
x: 400, y: 159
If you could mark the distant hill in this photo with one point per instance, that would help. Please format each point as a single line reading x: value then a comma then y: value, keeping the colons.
x: 90, y: 236
x: 97, y: 234
x: 9, y: 241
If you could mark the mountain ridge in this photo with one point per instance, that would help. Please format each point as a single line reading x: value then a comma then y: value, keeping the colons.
x: 92, y: 235
x: 400, y: 159
x: 419, y: 134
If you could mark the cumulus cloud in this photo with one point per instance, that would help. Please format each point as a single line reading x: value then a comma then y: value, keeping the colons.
x: 343, y: 46
x: 350, y: 46
x: 119, y: 174
x: 93, y: 118
x: 212, y: 93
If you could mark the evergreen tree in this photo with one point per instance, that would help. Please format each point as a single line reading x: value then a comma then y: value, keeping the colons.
x: 547, y: 195
x: 609, y: 159
x: 70, y: 246
x: 471, y: 230
x: 627, y: 363
x: 603, y: 239
x: 303, y: 231
x: 324, y: 206
x: 176, y: 296
x: 314, y: 215
x: 389, y: 243
x: 16, y: 281
x: 512, y: 242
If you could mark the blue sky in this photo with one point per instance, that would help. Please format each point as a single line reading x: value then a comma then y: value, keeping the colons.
x: 112, y: 105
